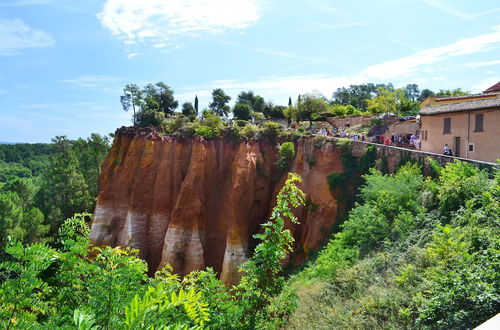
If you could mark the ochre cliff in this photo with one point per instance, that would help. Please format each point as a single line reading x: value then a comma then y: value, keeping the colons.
x: 193, y: 203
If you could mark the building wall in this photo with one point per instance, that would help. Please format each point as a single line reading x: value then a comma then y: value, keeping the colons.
x: 486, y: 143
x: 406, y: 127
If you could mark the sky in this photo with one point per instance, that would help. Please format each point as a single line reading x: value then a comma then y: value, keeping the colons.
x: 64, y: 63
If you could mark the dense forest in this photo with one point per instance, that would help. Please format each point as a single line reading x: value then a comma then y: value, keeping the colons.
x: 41, y: 185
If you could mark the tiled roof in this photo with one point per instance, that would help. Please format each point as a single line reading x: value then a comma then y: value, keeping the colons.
x: 490, y: 93
x: 494, y: 88
x: 462, y: 106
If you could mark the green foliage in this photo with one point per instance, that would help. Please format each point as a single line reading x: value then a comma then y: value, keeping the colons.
x: 335, y: 180
x: 256, y: 102
x: 249, y: 131
x: 413, y: 253
x: 159, y: 305
x: 242, y: 111
x: 21, y: 292
x: 188, y: 109
x: 149, y: 117
x: 219, y: 102
x: 341, y: 110
x: 286, y: 153
x: 261, y: 282
x: 150, y: 104
x: 452, y: 92
x: 63, y: 189
x: 270, y: 130
x: 311, y: 106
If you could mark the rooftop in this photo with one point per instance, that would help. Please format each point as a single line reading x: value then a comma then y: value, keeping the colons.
x: 494, y: 88
x: 462, y: 106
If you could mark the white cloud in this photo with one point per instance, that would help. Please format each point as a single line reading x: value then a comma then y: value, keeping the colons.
x: 406, y: 65
x: 163, y: 20
x: 132, y: 55
x: 15, y: 36
x: 483, y: 85
x: 448, y: 9
x: 92, y: 81
x: 481, y: 64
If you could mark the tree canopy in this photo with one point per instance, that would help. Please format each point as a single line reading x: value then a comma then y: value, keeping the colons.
x: 219, y: 104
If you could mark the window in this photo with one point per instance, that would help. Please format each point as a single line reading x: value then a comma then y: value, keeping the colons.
x: 447, y: 126
x: 479, y: 122
x: 471, y: 147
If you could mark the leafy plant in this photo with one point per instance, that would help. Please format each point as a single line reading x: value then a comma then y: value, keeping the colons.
x: 286, y: 153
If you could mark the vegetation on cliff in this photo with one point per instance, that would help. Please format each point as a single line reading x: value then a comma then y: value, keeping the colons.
x: 415, y: 252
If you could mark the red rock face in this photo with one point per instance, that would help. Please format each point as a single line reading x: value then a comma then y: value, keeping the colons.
x: 196, y: 204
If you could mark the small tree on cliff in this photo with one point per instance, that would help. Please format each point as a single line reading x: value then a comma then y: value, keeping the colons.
x: 261, y: 281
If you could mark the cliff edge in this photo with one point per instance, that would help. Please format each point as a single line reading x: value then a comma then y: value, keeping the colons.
x: 194, y: 203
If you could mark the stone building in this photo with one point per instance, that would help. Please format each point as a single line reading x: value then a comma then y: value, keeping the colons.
x: 469, y: 125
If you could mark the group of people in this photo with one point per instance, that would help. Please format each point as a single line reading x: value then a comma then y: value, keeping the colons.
x: 399, y: 140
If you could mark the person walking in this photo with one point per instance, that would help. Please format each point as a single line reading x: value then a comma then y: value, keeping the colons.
x: 446, y: 150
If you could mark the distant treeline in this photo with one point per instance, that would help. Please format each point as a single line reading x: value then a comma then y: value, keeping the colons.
x: 42, y: 184
x: 152, y: 104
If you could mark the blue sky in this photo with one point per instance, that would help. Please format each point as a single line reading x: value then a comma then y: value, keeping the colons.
x: 63, y: 63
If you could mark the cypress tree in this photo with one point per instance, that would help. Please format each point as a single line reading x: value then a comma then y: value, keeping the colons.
x: 196, y: 104
x: 289, y: 101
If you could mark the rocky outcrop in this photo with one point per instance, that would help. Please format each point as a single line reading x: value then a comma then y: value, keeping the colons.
x: 193, y: 203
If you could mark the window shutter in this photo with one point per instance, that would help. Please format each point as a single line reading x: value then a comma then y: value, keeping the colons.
x: 479, y: 122
x: 447, y: 126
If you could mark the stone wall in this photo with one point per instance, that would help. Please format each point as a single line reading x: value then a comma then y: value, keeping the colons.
x: 393, y: 156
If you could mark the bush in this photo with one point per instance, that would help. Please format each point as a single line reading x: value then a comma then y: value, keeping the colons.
x: 335, y: 180
x: 206, y: 132
x: 269, y: 130
x: 249, y: 131
x: 286, y: 153
x: 150, y: 118
x: 242, y: 111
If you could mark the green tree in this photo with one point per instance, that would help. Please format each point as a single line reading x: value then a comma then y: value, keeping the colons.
x: 412, y: 92
x: 63, y: 191
x: 262, y: 280
x: 219, y: 102
x: 131, y: 98
x: 390, y: 101
x: 91, y: 153
x: 242, y: 111
x: 257, y: 102
x: 310, y: 106
x: 160, y: 98
x: 196, y: 104
x: 21, y: 293
x: 188, y: 109
x: 452, y: 92
x: 425, y: 94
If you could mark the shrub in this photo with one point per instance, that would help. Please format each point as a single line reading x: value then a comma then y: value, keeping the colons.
x: 270, y: 130
x: 286, y: 153
x: 249, y: 131
x: 206, y: 132
x: 242, y: 111
x: 150, y: 118
x: 335, y: 180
